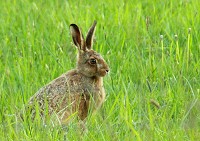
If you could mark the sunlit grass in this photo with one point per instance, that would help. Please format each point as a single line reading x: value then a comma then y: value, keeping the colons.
x: 152, y: 89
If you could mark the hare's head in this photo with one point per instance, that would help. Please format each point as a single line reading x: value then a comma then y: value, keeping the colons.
x: 90, y: 63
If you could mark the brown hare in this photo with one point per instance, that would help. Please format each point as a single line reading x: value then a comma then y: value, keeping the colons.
x: 74, y: 92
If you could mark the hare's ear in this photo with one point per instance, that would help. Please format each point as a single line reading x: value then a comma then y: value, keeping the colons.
x: 77, y: 37
x: 90, y: 36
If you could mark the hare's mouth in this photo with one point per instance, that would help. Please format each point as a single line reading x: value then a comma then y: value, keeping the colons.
x: 103, y: 72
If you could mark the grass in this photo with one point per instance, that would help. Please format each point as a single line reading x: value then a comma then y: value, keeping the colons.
x: 152, y: 90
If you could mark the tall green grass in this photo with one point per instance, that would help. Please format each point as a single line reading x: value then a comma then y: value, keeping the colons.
x: 152, y: 48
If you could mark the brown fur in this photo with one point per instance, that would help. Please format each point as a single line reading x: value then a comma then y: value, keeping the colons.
x: 78, y: 90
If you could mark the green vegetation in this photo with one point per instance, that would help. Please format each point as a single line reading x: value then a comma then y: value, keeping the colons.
x: 153, y: 50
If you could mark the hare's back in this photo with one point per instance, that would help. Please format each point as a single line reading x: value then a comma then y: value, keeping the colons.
x: 67, y: 82
x: 59, y: 93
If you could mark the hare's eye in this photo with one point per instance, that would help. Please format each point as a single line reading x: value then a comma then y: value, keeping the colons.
x: 93, y: 61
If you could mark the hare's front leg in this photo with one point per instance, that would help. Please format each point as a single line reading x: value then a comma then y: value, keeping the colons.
x: 83, y: 110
